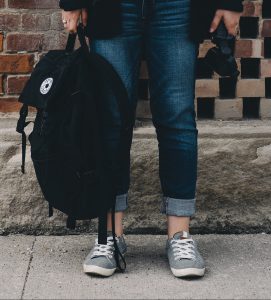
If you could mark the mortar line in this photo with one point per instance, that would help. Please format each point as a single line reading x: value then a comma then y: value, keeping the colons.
x: 28, y: 267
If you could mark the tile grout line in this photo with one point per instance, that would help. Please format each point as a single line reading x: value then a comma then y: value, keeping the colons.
x: 28, y: 267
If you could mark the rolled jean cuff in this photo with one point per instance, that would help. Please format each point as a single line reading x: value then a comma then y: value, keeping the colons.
x: 121, y: 202
x: 178, y: 207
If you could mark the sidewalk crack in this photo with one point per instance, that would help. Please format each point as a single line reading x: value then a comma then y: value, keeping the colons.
x: 28, y: 267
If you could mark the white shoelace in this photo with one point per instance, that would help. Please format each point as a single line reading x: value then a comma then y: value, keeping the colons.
x: 183, y: 249
x: 104, y: 250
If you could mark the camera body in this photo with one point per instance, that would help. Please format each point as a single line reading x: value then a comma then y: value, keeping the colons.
x: 221, y: 57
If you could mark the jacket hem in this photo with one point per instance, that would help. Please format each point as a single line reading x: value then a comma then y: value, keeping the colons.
x: 69, y: 5
x: 232, y: 5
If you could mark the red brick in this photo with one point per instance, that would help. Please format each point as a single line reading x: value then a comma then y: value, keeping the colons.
x: 56, y: 40
x: 252, y: 9
x: 250, y: 88
x: 15, y: 84
x: 2, y: 3
x: 24, y: 42
x: 9, y: 22
x: 248, y: 48
x: 56, y: 21
x: 266, y: 29
x: 229, y: 109
x: 243, y: 48
x: 34, y: 22
x: 207, y: 88
x: 21, y: 63
x: 265, y: 70
x: 1, y: 41
x: 1, y: 85
x: 33, y: 4
x: 265, y: 108
x: 9, y: 104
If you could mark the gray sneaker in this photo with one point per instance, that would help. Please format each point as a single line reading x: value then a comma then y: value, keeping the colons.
x: 183, y: 256
x: 101, y: 260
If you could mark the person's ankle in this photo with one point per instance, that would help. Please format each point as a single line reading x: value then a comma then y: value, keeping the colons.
x: 177, y: 224
x: 118, y: 232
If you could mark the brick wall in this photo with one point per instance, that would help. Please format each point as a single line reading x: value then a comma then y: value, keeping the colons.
x: 29, y: 28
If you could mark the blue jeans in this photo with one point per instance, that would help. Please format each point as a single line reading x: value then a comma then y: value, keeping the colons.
x: 160, y: 29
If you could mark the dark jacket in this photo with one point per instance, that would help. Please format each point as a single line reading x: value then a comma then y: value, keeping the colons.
x: 105, y: 15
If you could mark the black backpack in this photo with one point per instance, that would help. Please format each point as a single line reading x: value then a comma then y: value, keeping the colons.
x: 75, y: 161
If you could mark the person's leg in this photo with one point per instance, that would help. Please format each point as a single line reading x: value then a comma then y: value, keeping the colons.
x: 171, y: 59
x: 124, y: 53
x: 118, y: 222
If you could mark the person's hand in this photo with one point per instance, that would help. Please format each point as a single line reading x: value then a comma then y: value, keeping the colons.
x: 230, y: 18
x: 70, y: 19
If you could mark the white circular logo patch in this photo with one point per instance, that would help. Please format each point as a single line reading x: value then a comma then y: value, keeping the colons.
x: 46, y: 85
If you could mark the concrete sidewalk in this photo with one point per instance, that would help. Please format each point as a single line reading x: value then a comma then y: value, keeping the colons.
x: 50, y: 267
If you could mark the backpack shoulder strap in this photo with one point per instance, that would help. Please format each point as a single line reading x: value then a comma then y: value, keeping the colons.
x: 102, y: 229
x: 21, y: 124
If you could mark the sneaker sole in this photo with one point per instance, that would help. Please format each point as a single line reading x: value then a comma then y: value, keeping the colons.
x: 188, y: 272
x: 95, y: 270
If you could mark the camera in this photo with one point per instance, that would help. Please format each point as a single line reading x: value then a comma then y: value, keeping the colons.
x: 221, y: 57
